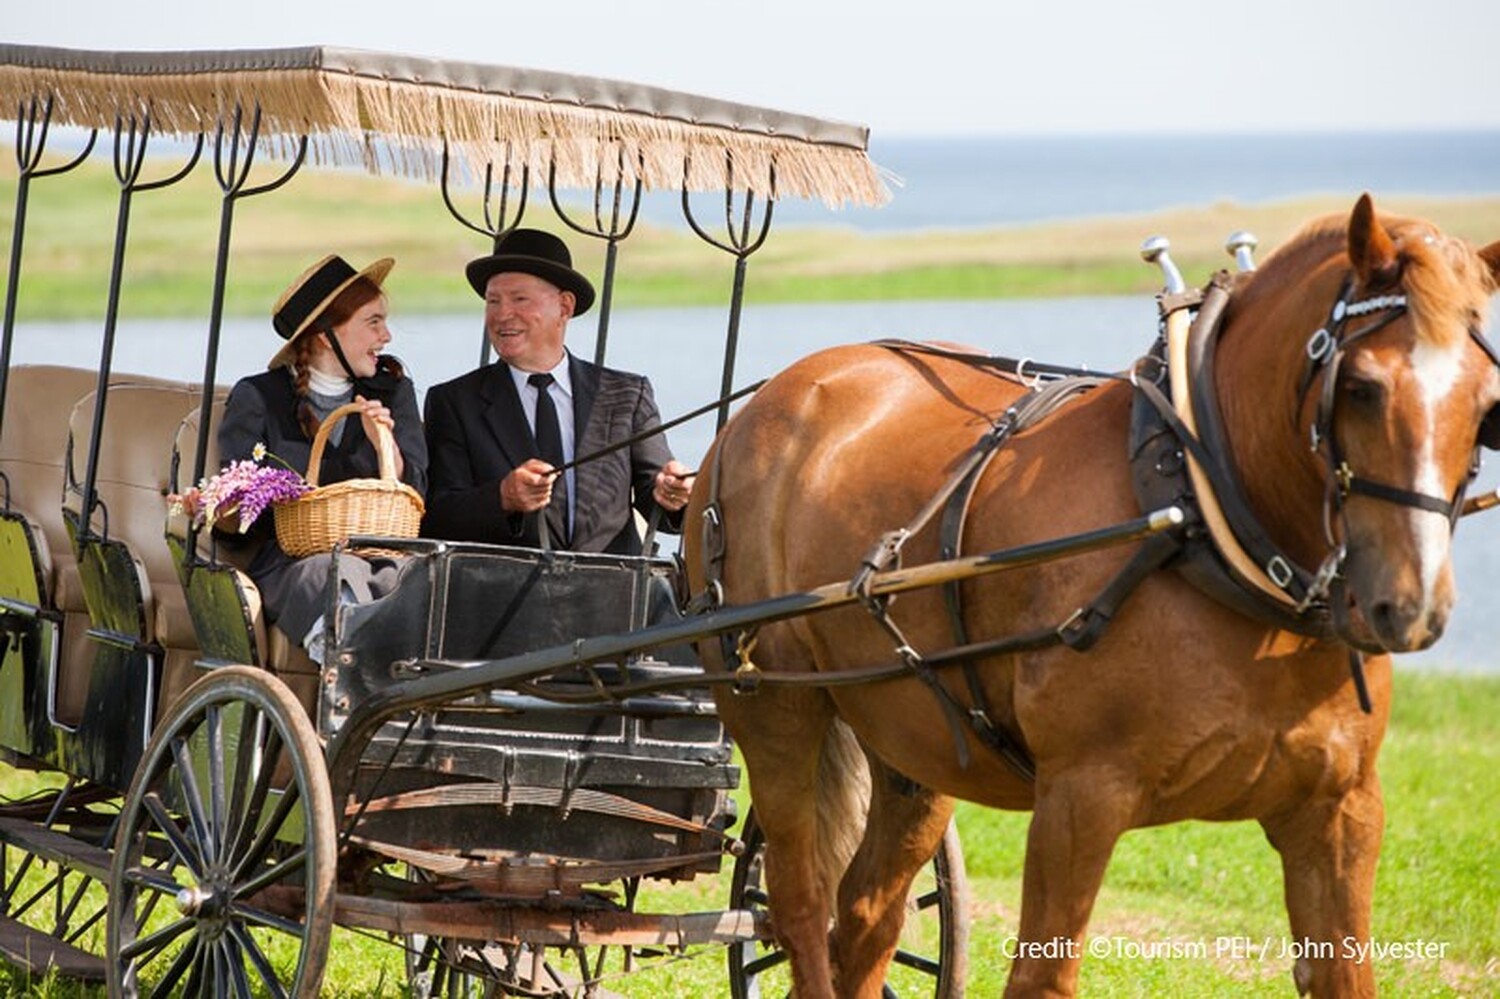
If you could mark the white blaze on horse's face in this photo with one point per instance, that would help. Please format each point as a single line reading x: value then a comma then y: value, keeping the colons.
x: 1437, y: 370
x: 1418, y: 391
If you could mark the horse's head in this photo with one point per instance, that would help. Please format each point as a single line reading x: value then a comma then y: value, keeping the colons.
x: 1396, y: 397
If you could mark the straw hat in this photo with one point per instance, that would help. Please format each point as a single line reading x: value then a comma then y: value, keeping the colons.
x: 312, y: 292
x: 534, y: 252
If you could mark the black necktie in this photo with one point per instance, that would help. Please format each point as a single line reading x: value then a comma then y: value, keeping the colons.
x: 549, y: 448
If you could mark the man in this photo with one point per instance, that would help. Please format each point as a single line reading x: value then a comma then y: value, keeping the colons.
x: 497, y: 435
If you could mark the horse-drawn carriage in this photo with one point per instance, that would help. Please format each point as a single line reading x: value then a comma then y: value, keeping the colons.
x: 498, y: 755
x: 463, y: 774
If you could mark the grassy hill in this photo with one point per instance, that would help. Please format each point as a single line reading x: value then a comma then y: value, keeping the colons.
x: 173, y: 233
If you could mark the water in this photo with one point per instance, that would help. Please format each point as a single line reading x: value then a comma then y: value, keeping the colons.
x: 681, y: 350
x: 947, y: 183
x: 986, y: 181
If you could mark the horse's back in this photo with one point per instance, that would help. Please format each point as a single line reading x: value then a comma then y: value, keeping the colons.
x: 838, y: 448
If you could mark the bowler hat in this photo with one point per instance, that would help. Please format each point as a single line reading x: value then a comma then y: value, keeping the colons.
x: 313, y: 291
x: 538, y: 253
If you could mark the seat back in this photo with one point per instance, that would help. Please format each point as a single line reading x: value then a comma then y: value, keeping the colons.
x: 33, y: 448
x: 223, y: 600
x: 137, y: 593
x: 39, y: 404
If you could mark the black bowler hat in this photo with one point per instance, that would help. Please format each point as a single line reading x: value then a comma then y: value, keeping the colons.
x: 312, y: 292
x: 534, y: 252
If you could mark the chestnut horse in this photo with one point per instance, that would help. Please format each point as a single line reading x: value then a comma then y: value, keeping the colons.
x: 1185, y: 708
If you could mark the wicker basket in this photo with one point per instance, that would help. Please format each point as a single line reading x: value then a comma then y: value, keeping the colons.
x: 385, y: 507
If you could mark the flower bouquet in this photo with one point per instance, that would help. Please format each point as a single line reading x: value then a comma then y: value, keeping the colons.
x: 240, y: 493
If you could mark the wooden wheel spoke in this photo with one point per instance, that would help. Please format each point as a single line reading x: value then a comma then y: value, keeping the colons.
x: 187, y: 963
x: 285, y: 867
x: 926, y: 965
x: 192, y: 799
x: 254, y: 915
x: 765, y: 962
x: 258, y: 958
x: 265, y: 757
x: 191, y: 858
x: 213, y: 726
x: 147, y: 947
x: 266, y: 837
x: 155, y: 881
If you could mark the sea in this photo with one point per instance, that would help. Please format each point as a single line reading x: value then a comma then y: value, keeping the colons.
x: 941, y: 184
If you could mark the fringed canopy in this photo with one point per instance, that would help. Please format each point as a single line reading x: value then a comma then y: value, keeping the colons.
x: 396, y: 114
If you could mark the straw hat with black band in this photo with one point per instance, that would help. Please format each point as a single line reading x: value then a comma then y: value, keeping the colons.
x: 534, y: 252
x: 314, y: 290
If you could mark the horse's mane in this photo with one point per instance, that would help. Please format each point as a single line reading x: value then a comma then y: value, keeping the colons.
x: 1438, y: 273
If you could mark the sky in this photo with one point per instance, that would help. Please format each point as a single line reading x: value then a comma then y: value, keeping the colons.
x: 934, y: 67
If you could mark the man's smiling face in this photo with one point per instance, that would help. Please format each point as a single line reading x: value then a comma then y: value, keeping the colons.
x: 525, y: 318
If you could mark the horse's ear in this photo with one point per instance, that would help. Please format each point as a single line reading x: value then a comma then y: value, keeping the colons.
x: 1491, y: 256
x: 1371, y: 250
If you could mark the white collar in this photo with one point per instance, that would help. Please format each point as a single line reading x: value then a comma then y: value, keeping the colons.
x: 326, y: 384
x: 559, y: 373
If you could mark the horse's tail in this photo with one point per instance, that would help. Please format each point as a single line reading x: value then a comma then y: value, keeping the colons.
x: 843, y: 803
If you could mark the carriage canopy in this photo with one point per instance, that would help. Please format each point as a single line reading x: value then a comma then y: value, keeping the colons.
x: 404, y: 115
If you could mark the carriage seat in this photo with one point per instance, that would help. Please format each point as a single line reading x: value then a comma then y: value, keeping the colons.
x: 33, y: 454
x: 33, y: 448
x: 264, y: 644
x: 132, y: 482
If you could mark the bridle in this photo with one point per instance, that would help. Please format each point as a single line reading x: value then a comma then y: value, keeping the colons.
x: 1325, y: 352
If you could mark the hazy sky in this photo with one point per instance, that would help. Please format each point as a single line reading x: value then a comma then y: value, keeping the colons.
x: 927, y: 67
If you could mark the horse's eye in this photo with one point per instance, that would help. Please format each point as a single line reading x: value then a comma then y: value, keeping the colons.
x: 1363, y: 393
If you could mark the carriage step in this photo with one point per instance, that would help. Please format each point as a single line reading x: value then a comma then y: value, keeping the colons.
x: 49, y: 844
x: 35, y: 951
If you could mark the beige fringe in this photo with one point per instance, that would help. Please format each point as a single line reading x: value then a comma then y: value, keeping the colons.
x: 400, y: 127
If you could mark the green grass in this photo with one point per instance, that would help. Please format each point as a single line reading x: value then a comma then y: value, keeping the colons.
x: 1184, y: 883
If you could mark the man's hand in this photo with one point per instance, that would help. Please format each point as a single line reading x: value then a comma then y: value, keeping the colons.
x: 528, y: 487
x: 674, y: 484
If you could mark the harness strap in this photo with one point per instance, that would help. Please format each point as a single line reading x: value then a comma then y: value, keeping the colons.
x: 1023, y: 369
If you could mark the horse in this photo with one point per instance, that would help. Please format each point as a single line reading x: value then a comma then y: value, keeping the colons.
x: 1186, y: 705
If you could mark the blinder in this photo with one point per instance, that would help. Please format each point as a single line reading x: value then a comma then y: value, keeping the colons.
x: 1489, y: 429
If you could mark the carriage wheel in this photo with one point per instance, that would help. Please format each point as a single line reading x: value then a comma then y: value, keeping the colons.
x: 931, y: 958
x: 55, y: 897
x: 444, y: 968
x: 450, y: 968
x: 223, y: 875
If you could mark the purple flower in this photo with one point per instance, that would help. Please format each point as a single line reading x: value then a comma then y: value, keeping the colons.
x: 246, y: 488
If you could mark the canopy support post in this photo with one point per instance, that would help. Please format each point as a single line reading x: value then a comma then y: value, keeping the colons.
x: 612, y: 233
x: 33, y: 119
x: 740, y: 244
x: 495, y: 225
x: 128, y: 162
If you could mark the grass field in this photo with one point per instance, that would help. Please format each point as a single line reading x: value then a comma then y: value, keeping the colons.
x: 1174, y: 890
x: 173, y: 232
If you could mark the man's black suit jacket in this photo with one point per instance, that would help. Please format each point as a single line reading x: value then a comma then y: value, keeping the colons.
x: 477, y: 432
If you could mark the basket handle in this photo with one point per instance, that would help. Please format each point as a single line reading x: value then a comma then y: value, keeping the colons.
x: 385, y: 444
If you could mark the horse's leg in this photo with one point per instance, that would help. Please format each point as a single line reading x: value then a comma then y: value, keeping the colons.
x: 906, y: 823
x: 1078, y: 818
x: 1329, y: 846
x: 781, y: 734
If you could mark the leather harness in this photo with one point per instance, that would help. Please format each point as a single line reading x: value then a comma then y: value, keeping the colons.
x: 1222, y: 549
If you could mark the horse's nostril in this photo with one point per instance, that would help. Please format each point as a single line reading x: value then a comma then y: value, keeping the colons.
x: 1395, y: 622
